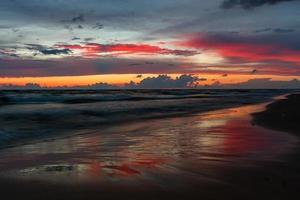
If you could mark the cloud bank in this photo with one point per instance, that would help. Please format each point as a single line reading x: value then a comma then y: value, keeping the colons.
x: 166, y: 82
x: 263, y: 83
x: 248, y: 4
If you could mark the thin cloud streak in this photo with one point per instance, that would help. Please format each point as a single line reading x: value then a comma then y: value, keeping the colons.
x: 94, y: 49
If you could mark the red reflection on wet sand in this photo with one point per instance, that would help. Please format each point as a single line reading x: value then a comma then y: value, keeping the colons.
x: 95, y: 169
x: 122, y: 170
x: 125, y: 168
x: 241, y: 138
x: 171, y: 147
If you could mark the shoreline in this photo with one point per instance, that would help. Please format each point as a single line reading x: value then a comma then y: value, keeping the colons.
x: 233, y: 176
x: 131, y: 118
x: 282, y: 115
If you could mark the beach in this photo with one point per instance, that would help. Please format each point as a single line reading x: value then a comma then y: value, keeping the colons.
x: 218, y: 154
x: 149, y: 99
x: 282, y: 115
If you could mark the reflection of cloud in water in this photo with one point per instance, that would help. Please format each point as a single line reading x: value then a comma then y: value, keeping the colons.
x: 150, y: 150
x: 211, y: 123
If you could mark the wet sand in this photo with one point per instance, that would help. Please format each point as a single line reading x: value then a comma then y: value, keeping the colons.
x: 213, y: 155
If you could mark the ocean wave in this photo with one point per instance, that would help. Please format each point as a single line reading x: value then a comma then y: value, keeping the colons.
x: 91, y: 96
x: 39, y: 114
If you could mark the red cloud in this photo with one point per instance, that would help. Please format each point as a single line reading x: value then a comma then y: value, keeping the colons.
x: 243, y: 48
x: 93, y: 49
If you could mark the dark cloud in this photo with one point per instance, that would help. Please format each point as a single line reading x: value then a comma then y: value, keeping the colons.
x: 56, y: 51
x: 134, y: 64
x: 101, y: 85
x: 68, y: 27
x: 80, y: 26
x: 98, y: 26
x: 27, y: 86
x: 75, y: 38
x: 89, y: 39
x: 263, y: 30
x: 275, y: 30
x: 75, y: 20
x: 74, y: 23
x: 254, y: 71
x: 165, y: 81
x: 263, y: 83
x: 71, y: 27
x: 280, y: 30
x: 248, y: 4
x: 149, y: 63
x: 79, y: 18
x: 48, y: 50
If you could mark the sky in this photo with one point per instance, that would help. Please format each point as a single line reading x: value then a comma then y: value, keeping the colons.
x: 82, y: 42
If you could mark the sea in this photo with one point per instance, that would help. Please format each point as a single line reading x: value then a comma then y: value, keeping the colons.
x: 28, y: 115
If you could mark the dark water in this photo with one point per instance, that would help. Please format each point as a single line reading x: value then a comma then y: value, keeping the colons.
x: 27, y: 115
x: 169, y: 153
x: 167, y: 141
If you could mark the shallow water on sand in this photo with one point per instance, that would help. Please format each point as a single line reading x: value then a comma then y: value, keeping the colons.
x: 167, y: 152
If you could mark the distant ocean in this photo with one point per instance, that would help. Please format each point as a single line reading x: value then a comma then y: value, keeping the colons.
x: 35, y: 114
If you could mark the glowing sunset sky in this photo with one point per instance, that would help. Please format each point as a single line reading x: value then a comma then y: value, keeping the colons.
x: 80, y: 42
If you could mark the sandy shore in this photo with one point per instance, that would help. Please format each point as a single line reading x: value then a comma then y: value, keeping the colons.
x: 283, y: 114
x: 213, y: 155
